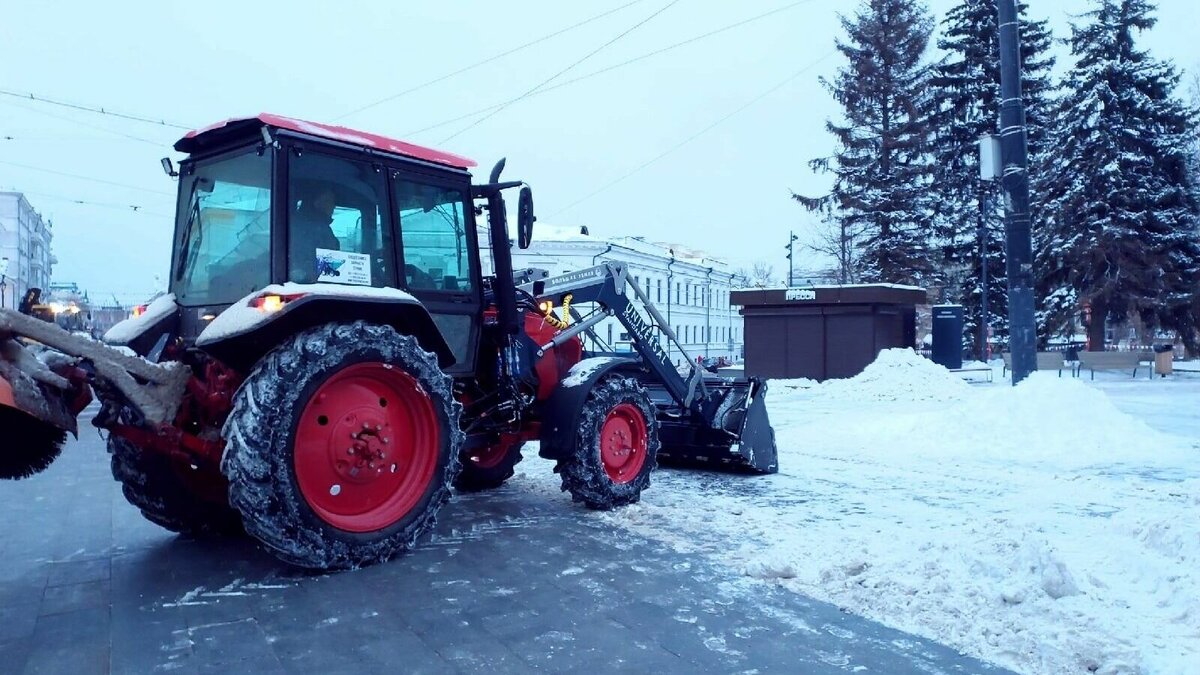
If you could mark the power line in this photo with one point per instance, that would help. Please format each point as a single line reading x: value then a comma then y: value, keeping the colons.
x: 87, y: 178
x: 696, y: 135
x: 555, y: 76
x: 92, y: 109
x: 81, y: 123
x: 615, y: 66
x: 136, y: 208
x: 494, y: 57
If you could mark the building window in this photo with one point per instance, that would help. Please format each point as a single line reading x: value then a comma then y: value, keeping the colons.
x: 677, y: 292
x: 687, y: 294
x: 658, y: 296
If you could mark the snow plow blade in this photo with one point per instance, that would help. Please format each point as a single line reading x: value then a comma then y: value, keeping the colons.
x: 738, y: 437
x: 46, y: 378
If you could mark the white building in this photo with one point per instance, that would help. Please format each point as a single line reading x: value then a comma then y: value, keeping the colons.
x: 690, y: 289
x: 25, y: 259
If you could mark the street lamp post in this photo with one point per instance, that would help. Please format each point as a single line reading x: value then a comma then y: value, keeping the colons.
x: 1022, y: 337
x: 791, y: 243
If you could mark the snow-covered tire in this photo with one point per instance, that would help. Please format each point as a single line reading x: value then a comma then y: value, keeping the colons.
x: 490, y: 468
x: 284, y: 439
x: 616, y: 446
x: 152, y: 483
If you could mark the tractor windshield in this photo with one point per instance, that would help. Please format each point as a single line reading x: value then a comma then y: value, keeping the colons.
x: 223, y: 230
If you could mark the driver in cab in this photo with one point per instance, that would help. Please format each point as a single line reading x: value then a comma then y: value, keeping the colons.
x: 310, y: 230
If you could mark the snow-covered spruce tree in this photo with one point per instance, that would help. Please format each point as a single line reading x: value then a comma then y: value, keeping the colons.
x: 966, y: 91
x: 1117, y: 233
x: 882, y: 168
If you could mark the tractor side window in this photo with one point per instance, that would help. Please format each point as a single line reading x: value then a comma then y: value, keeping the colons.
x: 433, y: 228
x: 337, y: 230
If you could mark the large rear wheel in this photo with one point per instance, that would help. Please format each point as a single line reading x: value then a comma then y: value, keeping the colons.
x: 616, y: 446
x: 342, y: 446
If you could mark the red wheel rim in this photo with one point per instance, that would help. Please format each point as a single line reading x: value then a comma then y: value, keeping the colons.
x: 492, y: 455
x: 623, y: 443
x: 366, y: 447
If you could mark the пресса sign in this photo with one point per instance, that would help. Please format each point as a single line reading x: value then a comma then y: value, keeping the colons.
x: 799, y: 294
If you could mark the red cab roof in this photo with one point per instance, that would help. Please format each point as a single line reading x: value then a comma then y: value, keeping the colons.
x: 194, y: 139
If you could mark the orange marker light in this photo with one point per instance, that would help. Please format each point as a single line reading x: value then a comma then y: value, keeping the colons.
x: 270, y: 303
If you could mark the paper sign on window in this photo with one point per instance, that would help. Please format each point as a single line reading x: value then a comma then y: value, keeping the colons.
x: 343, y: 267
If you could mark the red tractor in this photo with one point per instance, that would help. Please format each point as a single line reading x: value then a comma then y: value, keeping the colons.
x: 331, y: 358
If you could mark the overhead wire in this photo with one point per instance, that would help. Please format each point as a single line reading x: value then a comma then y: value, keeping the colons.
x: 615, y: 66
x: 46, y: 113
x: 698, y: 134
x: 494, y: 57
x: 81, y: 177
x: 556, y: 75
x: 136, y: 208
x: 92, y: 109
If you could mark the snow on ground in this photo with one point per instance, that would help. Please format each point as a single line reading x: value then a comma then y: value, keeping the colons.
x: 1040, y: 527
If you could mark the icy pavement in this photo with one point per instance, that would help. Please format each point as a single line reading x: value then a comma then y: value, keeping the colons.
x: 512, y: 581
x: 1050, y: 528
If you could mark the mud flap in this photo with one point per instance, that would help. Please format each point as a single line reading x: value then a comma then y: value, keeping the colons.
x: 738, y: 436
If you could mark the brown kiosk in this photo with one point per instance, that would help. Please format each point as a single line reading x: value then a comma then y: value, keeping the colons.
x: 824, y: 332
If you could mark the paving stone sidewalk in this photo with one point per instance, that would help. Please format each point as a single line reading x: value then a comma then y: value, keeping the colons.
x: 510, y: 583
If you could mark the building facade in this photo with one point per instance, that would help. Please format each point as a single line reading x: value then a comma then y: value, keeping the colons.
x: 690, y: 289
x: 25, y: 256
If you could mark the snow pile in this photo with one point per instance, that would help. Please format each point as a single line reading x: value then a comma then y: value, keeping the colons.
x: 898, y: 375
x: 1049, y: 418
x: 1040, y: 527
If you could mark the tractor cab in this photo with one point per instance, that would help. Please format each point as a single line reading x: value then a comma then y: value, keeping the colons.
x: 271, y: 200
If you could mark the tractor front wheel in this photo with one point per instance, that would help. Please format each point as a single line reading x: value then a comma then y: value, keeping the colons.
x: 616, y: 446
x: 487, y: 468
x: 342, y: 445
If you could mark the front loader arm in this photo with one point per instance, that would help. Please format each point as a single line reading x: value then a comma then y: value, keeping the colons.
x: 727, y: 422
x: 608, y: 285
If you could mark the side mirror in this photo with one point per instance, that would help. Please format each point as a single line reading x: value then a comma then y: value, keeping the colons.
x: 525, y: 217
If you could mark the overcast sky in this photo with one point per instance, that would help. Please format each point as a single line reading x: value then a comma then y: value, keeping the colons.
x: 726, y: 191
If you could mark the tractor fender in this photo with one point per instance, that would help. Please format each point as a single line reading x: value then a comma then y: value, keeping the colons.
x: 559, y: 413
x: 243, y: 333
x: 142, y: 332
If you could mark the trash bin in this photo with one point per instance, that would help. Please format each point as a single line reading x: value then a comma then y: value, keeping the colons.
x: 1163, y: 354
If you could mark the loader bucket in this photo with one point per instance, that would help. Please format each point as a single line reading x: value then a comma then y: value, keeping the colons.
x: 737, y: 436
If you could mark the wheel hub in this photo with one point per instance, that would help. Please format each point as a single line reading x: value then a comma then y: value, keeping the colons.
x: 368, y: 449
